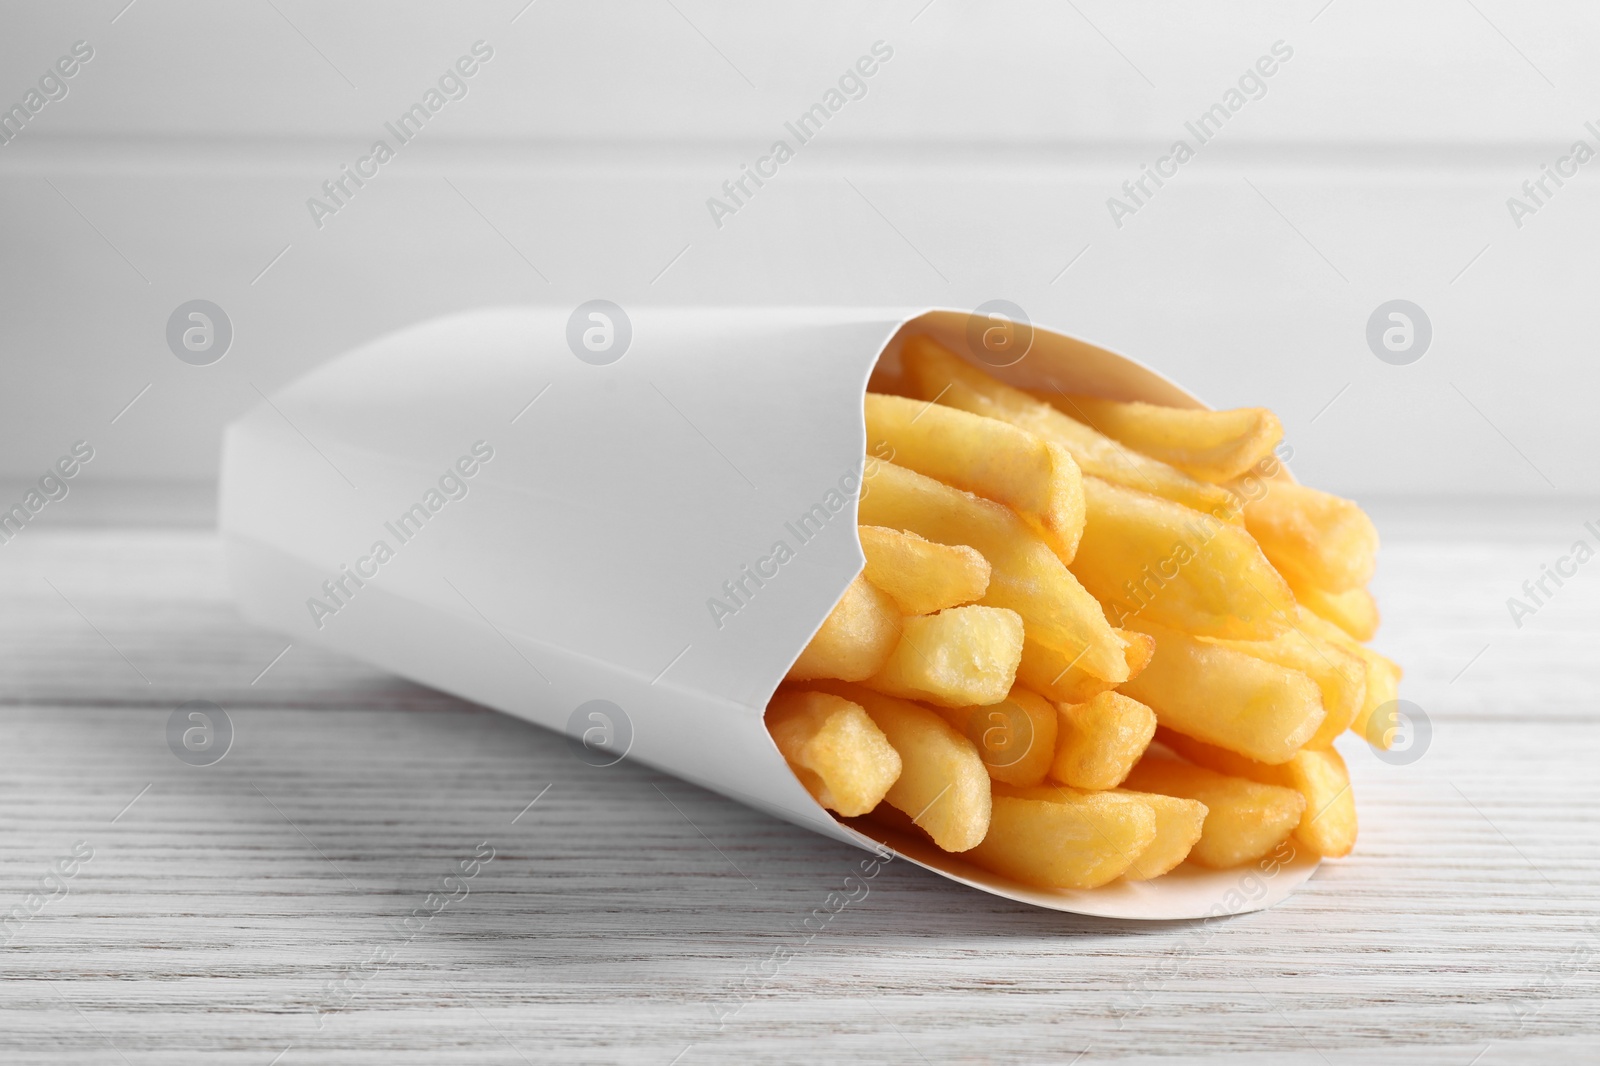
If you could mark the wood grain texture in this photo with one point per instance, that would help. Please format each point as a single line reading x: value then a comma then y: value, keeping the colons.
x: 626, y: 916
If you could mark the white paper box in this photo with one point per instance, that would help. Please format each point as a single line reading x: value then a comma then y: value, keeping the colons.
x: 580, y: 561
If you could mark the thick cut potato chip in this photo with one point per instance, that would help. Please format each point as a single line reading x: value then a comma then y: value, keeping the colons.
x: 1036, y: 478
x: 920, y: 576
x: 836, y: 751
x: 1179, y: 823
x: 1354, y: 610
x: 1244, y: 819
x: 1099, y: 741
x: 1059, y: 838
x: 1026, y: 576
x: 1321, y: 539
x: 960, y: 657
x: 1227, y: 698
x: 1213, y: 446
x: 1016, y: 737
x: 1328, y: 824
x: 1055, y: 676
x: 1340, y: 674
x: 934, y: 373
x: 1145, y: 557
x: 856, y: 638
x: 943, y: 784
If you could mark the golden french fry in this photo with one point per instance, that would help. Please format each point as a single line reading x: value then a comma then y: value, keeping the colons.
x: 1059, y: 578
x: 1055, y: 676
x: 1179, y: 823
x: 1026, y: 576
x: 834, y: 748
x: 856, y: 638
x: 920, y: 576
x: 934, y: 373
x: 1213, y: 446
x: 1036, y: 478
x: 1016, y: 737
x: 1383, y: 680
x: 1383, y: 687
x: 1244, y: 819
x: 1060, y: 838
x: 943, y: 784
x: 1227, y: 698
x: 1354, y: 610
x: 1141, y: 649
x: 1099, y: 741
x: 1328, y: 824
x: 1321, y: 539
x: 960, y: 657
x: 1340, y: 674
x: 1145, y: 557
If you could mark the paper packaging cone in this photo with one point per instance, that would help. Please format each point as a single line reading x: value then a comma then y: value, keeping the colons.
x: 579, y: 564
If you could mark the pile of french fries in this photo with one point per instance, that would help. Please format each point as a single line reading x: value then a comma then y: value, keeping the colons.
x: 1092, y: 639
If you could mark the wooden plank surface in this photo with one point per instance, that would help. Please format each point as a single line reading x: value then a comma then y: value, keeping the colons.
x: 628, y: 917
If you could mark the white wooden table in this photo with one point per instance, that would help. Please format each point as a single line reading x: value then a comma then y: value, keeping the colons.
x: 624, y: 913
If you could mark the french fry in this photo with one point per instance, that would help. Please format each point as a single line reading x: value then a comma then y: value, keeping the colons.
x: 1227, y: 698
x: 1016, y: 737
x: 1062, y: 583
x: 1214, y: 446
x: 1059, y: 838
x: 1244, y: 819
x: 1055, y: 676
x: 1141, y: 649
x: 1340, y: 674
x: 1026, y: 576
x: 920, y: 576
x: 856, y: 638
x: 838, y: 753
x: 1328, y: 823
x: 960, y: 657
x: 943, y: 784
x: 1354, y: 610
x: 1179, y: 823
x: 934, y: 373
x: 1383, y: 680
x: 1320, y: 538
x: 1036, y: 478
x: 1146, y: 557
x: 1099, y: 741
x: 1383, y: 688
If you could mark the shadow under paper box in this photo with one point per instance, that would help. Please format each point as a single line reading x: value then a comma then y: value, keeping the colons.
x: 479, y: 504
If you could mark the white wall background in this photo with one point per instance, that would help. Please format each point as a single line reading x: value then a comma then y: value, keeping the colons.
x: 977, y: 166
